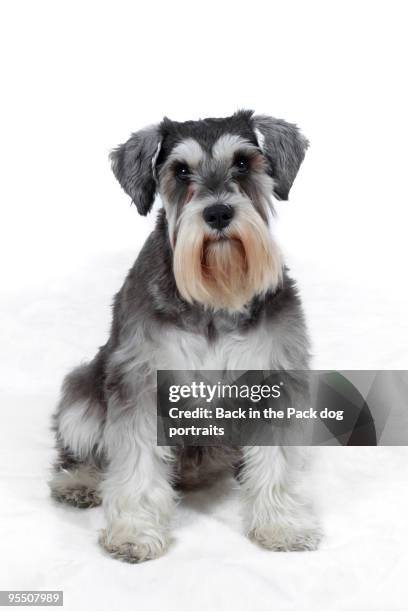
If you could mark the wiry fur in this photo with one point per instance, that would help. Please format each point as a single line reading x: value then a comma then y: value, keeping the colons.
x: 194, y: 299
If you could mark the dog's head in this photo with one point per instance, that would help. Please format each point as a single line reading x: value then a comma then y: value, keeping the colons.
x: 216, y: 178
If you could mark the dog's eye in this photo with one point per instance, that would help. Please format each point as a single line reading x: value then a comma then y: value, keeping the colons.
x: 182, y: 172
x: 241, y: 163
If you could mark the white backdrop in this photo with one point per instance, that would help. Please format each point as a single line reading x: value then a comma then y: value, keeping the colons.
x: 76, y: 79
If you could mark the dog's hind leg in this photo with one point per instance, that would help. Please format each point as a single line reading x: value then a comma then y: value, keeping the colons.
x: 78, y: 424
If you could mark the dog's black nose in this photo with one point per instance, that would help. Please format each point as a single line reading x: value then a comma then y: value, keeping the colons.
x: 218, y: 216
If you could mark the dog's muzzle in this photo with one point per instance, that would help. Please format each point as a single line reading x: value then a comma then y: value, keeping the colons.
x: 218, y: 216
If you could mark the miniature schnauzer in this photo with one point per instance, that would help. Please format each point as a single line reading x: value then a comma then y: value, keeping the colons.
x: 208, y: 291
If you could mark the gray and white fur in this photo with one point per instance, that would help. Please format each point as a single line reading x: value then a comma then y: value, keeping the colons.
x: 208, y: 291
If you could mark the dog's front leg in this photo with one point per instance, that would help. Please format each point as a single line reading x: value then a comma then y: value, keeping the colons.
x: 138, y: 498
x: 277, y: 514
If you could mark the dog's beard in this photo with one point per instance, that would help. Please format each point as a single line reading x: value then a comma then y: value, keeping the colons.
x: 225, y: 272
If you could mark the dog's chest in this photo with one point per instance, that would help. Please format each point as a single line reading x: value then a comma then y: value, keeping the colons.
x: 259, y: 348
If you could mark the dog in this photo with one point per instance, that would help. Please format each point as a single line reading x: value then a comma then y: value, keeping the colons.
x: 209, y: 290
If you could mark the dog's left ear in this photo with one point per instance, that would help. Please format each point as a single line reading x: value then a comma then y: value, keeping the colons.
x: 133, y: 164
x: 284, y: 147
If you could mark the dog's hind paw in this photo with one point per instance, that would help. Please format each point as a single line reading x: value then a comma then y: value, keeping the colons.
x: 132, y: 549
x: 80, y: 497
x: 77, y: 486
x: 287, y: 538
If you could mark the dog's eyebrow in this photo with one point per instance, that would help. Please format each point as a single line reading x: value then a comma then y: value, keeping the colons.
x: 227, y: 145
x: 189, y: 151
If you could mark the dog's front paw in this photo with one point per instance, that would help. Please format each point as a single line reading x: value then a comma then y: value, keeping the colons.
x: 280, y: 537
x: 133, y: 547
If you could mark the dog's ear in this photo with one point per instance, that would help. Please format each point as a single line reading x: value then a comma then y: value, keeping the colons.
x: 284, y: 147
x: 133, y: 164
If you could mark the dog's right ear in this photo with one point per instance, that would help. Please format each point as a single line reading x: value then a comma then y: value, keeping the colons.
x: 133, y: 164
